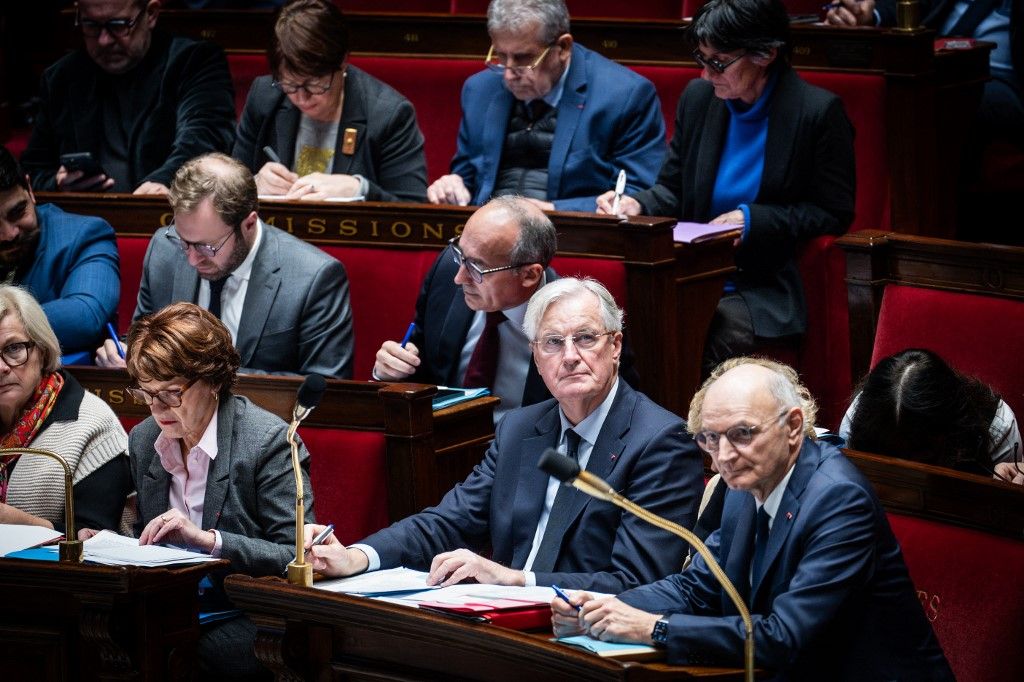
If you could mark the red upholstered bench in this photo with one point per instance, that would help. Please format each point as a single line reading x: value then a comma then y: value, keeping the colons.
x: 970, y: 585
x: 245, y: 67
x: 131, y: 251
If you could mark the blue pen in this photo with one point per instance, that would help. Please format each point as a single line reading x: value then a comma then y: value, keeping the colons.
x: 564, y: 597
x: 408, y: 333
x: 117, y: 342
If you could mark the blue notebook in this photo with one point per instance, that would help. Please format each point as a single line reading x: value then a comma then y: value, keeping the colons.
x: 48, y: 553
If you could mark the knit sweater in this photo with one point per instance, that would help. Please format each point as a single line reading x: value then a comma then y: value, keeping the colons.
x: 86, y: 435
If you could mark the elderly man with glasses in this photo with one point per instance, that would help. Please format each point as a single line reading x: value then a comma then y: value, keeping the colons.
x: 803, y: 539
x: 140, y: 101
x: 284, y: 302
x: 540, y: 533
x: 550, y: 119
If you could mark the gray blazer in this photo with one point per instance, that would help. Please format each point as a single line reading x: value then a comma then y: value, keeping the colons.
x: 389, y: 146
x: 296, y: 318
x: 250, y: 489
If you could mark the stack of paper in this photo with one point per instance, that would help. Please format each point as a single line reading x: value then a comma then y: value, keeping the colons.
x: 111, y: 549
x: 629, y: 652
x: 374, y: 583
x: 15, y: 537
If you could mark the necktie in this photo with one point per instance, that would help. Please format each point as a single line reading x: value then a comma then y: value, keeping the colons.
x: 760, y: 544
x: 216, y: 287
x: 547, y: 553
x: 483, y: 364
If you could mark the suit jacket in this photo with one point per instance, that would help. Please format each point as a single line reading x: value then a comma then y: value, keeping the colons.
x: 296, y: 317
x: 609, y: 118
x: 642, y: 450
x: 389, y: 145
x: 74, y: 276
x: 182, y: 104
x: 833, y: 600
x: 250, y: 488
x: 807, y: 189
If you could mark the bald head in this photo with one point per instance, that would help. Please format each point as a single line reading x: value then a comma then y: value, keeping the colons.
x: 227, y: 182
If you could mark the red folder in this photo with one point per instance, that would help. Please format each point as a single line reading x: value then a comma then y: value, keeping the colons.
x: 514, y: 614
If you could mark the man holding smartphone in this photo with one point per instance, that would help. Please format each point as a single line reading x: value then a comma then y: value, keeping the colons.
x: 126, y: 111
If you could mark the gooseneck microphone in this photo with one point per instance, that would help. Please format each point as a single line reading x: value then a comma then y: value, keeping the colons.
x: 567, y: 470
x: 70, y: 549
x: 311, y: 392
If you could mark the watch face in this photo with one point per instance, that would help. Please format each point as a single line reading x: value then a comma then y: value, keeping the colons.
x: 660, y: 633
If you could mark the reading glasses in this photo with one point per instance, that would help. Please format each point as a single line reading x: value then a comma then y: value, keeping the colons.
x: 740, y: 435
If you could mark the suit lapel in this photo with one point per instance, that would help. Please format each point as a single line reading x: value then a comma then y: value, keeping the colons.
x: 155, y: 489
x: 186, y: 280
x: 453, y: 335
x: 498, y: 111
x: 88, y: 122
x: 264, y: 282
x: 741, y: 548
x: 570, y: 108
x: 286, y: 127
x: 779, y: 149
x: 532, y: 485
x: 352, y: 116
x: 218, y: 478
x: 716, y: 125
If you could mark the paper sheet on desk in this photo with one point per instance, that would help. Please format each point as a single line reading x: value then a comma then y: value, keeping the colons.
x: 111, y: 549
x: 694, y: 233
x: 340, y: 200
x: 388, y: 581
x: 16, y: 537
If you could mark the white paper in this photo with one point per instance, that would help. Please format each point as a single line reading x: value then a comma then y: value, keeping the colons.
x: 378, y: 582
x: 16, y: 537
x: 283, y: 197
x: 111, y: 549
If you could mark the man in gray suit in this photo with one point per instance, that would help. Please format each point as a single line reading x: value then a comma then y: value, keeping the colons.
x: 284, y: 301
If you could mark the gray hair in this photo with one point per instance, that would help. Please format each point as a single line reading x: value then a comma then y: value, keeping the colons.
x: 783, y: 385
x: 17, y: 301
x: 512, y: 16
x: 568, y: 287
x: 537, y: 240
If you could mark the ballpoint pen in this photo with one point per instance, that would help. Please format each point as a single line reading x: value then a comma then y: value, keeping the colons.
x: 564, y: 597
x: 620, y: 187
x: 408, y: 333
x: 271, y: 154
x: 117, y: 342
x: 322, y: 536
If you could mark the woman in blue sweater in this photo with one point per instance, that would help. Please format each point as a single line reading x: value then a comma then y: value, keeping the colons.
x: 755, y: 146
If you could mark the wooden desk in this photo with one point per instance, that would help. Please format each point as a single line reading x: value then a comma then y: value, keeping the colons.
x: 307, y: 634
x: 672, y: 289
x: 427, y: 452
x: 81, y: 622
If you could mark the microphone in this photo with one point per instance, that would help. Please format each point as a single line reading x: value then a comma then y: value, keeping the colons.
x: 70, y: 549
x: 567, y: 470
x: 311, y: 392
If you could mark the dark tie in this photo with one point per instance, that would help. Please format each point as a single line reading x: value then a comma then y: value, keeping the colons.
x: 547, y: 553
x: 216, y: 287
x: 760, y: 544
x: 483, y: 364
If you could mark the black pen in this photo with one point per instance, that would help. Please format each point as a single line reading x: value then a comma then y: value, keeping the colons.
x: 271, y: 154
x: 564, y: 597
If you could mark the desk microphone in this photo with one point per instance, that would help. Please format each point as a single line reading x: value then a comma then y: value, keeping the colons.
x: 310, y: 393
x: 567, y: 470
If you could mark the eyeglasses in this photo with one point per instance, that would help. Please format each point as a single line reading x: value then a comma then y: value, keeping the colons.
x: 740, y: 435
x: 170, y: 397
x: 497, y: 64
x: 16, y: 354
x: 476, y: 273
x: 555, y: 345
x: 204, y: 250
x: 310, y: 89
x: 118, y: 28
x: 714, y: 64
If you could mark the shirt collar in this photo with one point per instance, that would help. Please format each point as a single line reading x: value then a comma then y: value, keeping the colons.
x: 170, y: 452
x: 244, y: 270
x: 590, y: 427
x: 774, y: 500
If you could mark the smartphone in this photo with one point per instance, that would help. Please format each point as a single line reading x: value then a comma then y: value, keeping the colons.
x: 82, y: 161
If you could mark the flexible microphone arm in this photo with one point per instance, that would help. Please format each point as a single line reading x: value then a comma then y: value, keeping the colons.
x: 567, y: 470
x: 310, y: 393
x: 71, y: 547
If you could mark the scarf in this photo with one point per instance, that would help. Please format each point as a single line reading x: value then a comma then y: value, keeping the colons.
x: 27, y: 425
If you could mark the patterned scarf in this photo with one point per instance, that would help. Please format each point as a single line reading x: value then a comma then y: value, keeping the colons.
x: 25, y: 428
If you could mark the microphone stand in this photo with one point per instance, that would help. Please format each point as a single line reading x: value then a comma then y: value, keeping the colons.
x: 299, y: 572
x: 70, y: 549
x: 596, y: 487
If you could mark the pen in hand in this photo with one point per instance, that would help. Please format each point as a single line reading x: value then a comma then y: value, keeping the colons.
x: 271, y: 154
x: 620, y: 187
x: 408, y: 333
x: 322, y: 536
x: 117, y: 342
x: 564, y: 597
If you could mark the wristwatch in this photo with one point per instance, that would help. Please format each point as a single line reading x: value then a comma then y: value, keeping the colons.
x: 660, y: 633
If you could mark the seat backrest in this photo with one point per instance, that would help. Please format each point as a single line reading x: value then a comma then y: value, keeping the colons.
x: 669, y: 81
x: 970, y: 586
x: 132, y: 252
x: 980, y: 335
x: 610, y: 273
x: 245, y: 67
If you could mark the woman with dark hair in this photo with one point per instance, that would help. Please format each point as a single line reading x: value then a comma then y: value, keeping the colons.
x: 337, y: 131
x: 754, y: 146
x: 212, y: 471
x: 915, y: 406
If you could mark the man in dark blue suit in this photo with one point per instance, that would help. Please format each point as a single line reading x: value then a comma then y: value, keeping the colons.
x: 537, y: 532
x: 549, y: 119
x: 804, y: 540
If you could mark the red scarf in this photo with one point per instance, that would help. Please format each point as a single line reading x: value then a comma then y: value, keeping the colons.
x: 26, y: 427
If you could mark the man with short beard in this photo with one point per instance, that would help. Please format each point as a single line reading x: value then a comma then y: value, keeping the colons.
x: 68, y: 262
x: 141, y: 101
x: 284, y: 301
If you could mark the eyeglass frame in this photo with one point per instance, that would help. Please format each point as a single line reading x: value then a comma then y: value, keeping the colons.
x: 27, y: 346
x: 516, y: 70
x: 183, y: 245
x: 304, y: 86
x: 701, y: 436
x: 125, y: 26
x: 564, y: 337
x: 476, y: 273
x: 140, y: 394
x: 715, y: 65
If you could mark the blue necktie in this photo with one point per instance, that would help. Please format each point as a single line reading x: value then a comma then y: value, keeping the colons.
x: 551, y: 541
x: 760, y: 544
